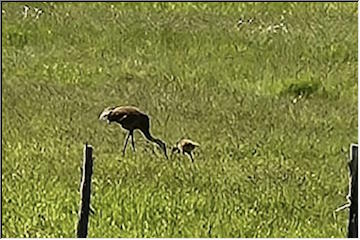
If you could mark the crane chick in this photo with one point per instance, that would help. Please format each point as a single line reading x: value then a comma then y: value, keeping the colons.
x: 185, y: 146
x: 131, y: 118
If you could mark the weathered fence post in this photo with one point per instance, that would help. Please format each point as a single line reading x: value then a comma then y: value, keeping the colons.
x: 353, y: 192
x: 85, y: 190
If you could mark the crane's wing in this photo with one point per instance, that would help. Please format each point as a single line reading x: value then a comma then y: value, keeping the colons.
x: 122, y: 118
x: 119, y: 115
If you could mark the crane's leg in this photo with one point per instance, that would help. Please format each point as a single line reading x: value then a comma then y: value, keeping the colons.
x: 191, y: 156
x: 132, y: 140
x: 126, y: 141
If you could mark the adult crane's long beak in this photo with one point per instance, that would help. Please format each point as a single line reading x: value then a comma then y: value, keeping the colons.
x: 162, y: 146
x: 166, y: 153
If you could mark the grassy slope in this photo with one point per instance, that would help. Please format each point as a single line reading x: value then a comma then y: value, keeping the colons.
x: 267, y: 167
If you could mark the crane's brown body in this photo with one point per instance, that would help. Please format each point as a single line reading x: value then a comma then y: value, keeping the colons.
x: 131, y: 118
x: 185, y: 146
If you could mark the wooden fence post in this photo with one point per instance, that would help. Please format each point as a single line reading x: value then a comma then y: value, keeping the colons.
x: 353, y: 192
x: 85, y: 190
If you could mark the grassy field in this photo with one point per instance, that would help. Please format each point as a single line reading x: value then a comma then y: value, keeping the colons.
x: 273, y: 103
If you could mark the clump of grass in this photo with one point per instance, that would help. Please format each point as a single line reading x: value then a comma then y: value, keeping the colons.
x: 303, y: 88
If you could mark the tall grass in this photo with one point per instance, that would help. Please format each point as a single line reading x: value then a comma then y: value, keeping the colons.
x: 272, y: 102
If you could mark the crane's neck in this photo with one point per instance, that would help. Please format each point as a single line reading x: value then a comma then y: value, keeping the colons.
x: 148, y: 135
x: 160, y: 143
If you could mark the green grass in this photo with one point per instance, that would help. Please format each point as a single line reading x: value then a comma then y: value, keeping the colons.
x: 272, y: 103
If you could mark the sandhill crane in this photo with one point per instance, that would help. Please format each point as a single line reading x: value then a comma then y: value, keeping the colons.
x: 131, y: 118
x: 185, y: 146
